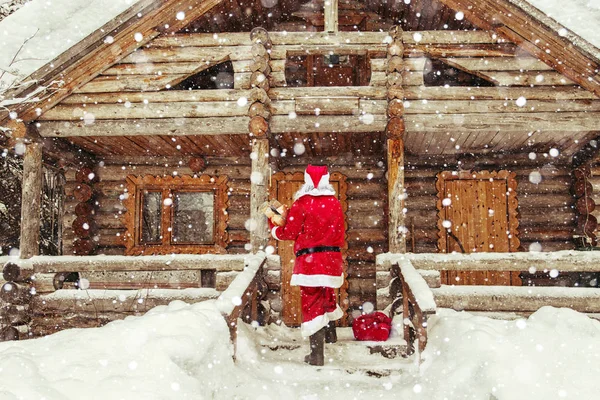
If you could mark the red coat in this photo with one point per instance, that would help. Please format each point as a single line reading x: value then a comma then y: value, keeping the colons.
x: 315, y: 221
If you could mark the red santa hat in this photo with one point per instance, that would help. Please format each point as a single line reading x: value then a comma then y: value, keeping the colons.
x: 316, y: 182
x: 316, y: 175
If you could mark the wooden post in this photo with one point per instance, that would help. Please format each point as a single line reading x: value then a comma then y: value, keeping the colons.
x: 331, y: 16
x: 395, y: 144
x: 259, y: 193
x: 30, y: 201
x: 260, y: 114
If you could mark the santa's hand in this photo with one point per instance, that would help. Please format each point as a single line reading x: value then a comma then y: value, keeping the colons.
x: 283, y: 211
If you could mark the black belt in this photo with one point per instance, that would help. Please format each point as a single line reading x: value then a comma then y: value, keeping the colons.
x: 318, y: 249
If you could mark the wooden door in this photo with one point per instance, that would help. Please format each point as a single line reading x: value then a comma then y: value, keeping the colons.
x: 283, y: 188
x: 477, y: 213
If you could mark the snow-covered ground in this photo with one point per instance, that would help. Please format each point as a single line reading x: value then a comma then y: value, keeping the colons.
x: 182, y: 351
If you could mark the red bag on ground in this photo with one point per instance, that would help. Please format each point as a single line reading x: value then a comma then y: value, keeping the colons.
x: 375, y: 326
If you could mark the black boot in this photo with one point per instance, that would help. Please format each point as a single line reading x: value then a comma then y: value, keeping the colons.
x: 317, y: 344
x: 330, y: 333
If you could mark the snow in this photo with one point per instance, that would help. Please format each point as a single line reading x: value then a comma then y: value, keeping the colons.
x: 232, y: 296
x: 46, y: 29
x: 419, y: 288
x: 579, y: 16
x: 183, y: 351
x: 566, y: 260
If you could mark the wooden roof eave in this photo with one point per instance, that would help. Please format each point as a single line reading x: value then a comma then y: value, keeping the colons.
x: 525, y: 25
x: 88, y: 58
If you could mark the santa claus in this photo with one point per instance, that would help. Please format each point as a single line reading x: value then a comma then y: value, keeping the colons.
x: 316, y: 223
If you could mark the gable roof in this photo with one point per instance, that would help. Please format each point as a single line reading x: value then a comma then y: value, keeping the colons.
x: 125, y: 29
x: 141, y: 22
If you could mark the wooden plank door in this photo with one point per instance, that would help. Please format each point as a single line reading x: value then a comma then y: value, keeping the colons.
x: 283, y: 188
x: 478, y: 212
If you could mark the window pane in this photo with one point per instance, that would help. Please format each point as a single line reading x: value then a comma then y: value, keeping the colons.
x: 151, y: 217
x: 193, y: 217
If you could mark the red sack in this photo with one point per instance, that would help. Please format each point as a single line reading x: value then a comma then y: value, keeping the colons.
x: 376, y: 326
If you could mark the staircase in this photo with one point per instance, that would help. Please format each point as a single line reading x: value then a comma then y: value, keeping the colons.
x: 281, y: 345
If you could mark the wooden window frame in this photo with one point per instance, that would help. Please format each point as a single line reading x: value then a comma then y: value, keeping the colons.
x: 168, y: 184
x: 512, y: 203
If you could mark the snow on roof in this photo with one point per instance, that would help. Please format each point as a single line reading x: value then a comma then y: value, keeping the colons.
x: 581, y: 17
x: 43, y: 29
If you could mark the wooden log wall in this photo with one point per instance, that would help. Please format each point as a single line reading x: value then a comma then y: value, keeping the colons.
x: 366, y: 217
x: 15, y: 297
x: 594, y: 181
x: 111, y: 189
x: 547, y: 217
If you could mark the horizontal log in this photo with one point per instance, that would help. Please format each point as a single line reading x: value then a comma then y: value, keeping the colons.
x: 188, y: 54
x: 355, y: 236
x: 498, y: 64
x: 499, y: 106
x: 496, y: 93
x: 320, y: 38
x: 545, y: 201
x: 140, y: 279
x: 327, y: 123
x: 289, y: 93
x: 365, y: 189
x: 130, y: 83
x: 511, y: 298
x: 174, y: 127
x: 567, y: 121
x: 120, y: 301
x: 527, y: 78
x: 170, y: 96
x: 326, y: 105
x: 546, y: 233
x: 168, y: 68
x: 178, y: 262
x: 144, y: 111
x: 120, y: 172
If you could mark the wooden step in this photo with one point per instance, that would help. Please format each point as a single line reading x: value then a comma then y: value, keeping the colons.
x: 283, y: 344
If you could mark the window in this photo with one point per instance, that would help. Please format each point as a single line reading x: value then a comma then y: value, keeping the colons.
x: 438, y: 73
x: 327, y: 70
x: 176, y: 215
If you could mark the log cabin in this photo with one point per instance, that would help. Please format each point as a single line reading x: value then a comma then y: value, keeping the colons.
x: 449, y: 126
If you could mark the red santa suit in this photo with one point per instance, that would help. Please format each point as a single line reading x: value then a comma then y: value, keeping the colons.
x: 316, y: 223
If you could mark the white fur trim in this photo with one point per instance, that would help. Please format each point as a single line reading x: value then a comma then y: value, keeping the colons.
x: 314, y: 325
x: 317, y: 280
x: 309, y: 189
x: 273, y: 233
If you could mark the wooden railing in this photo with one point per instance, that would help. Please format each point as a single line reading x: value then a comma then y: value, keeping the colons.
x: 241, y: 298
x: 39, y: 296
x: 417, y: 305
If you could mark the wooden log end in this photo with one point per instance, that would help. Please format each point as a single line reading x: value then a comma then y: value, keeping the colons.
x: 11, y: 271
x: 259, y: 50
x: 395, y: 108
x: 258, y: 109
x: 84, y: 209
x: 14, y: 293
x: 83, y: 192
x: 82, y: 247
x: 260, y: 35
x: 395, y: 128
x: 9, y: 333
x: 395, y: 49
x: 395, y: 92
x: 259, y: 80
x: 395, y: 64
x: 258, y: 127
x: 86, y: 175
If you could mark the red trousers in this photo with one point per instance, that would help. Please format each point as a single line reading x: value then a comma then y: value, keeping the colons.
x: 319, y: 306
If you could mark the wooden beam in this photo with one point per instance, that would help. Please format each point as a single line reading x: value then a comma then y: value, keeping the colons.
x: 259, y: 193
x: 31, y: 201
x: 502, y: 122
x: 331, y: 16
x: 167, y: 126
x: 395, y: 130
